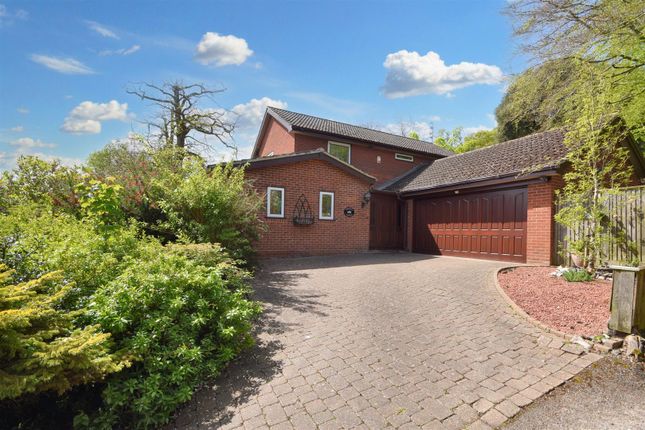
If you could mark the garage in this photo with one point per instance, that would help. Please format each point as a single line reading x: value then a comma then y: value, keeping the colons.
x: 488, y: 224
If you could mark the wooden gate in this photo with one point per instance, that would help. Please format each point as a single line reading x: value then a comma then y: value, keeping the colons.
x: 490, y: 225
x: 387, y: 221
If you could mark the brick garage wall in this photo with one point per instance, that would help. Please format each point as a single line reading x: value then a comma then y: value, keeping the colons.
x: 276, y: 139
x: 539, y: 222
x: 342, y: 235
x: 364, y: 157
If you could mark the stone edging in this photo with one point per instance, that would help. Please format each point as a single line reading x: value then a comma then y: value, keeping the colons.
x: 518, y: 310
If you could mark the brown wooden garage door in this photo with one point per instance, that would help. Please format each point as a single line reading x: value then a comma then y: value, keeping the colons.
x: 488, y: 225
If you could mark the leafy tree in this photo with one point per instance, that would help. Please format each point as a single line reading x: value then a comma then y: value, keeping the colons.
x: 414, y: 135
x: 599, y: 166
x: 609, y: 34
x: 479, y: 139
x: 182, y: 122
x: 449, y: 140
x: 216, y: 206
x: 535, y: 99
x: 40, y: 347
x: 38, y: 181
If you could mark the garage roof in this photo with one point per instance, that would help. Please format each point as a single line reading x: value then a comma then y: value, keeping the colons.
x: 529, y: 154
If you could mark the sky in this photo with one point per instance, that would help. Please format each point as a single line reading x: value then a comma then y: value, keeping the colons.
x: 67, y: 66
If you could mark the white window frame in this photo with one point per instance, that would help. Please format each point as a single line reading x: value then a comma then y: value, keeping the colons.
x: 320, y: 206
x: 269, y: 214
x: 347, y: 145
x: 404, y: 157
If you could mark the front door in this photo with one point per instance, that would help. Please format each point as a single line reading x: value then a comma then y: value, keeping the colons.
x: 387, y: 221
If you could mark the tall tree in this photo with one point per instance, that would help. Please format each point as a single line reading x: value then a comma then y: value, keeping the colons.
x: 607, y: 33
x: 181, y: 122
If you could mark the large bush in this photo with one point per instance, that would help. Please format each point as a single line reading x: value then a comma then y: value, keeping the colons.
x: 40, y: 346
x: 178, y: 313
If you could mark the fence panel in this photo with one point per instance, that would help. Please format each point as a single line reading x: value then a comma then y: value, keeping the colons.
x: 626, y: 210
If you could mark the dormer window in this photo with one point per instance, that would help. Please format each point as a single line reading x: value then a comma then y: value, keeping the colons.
x: 342, y: 151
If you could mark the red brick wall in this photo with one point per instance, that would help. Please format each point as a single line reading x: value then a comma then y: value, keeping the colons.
x: 539, y: 223
x: 409, y: 226
x: 342, y: 235
x: 276, y: 139
x: 365, y: 157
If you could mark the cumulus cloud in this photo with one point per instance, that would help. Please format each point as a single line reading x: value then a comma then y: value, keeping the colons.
x: 122, y: 51
x: 28, y: 142
x: 68, y: 66
x: 22, y: 110
x: 475, y: 129
x: 249, y: 115
x: 101, y: 29
x: 413, y: 74
x: 18, y: 129
x: 86, y: 118
x: 222, y: 50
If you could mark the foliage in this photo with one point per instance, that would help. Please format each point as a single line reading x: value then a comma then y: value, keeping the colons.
x: 414, y: 135
x: 180, y: 322
x: 455, y: 141
x: 449, y: 140
x: 599, y: 166
x: 535, y: 99
x: 607, y: 34
x: 216, y: 206
x: 40, y: 347
x: 100, y: 203
x: 38, y: 181
x: 477, y: 140
x: 577, y: 276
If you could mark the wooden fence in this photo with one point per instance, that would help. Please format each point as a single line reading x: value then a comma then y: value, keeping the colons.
x: 626, y: 211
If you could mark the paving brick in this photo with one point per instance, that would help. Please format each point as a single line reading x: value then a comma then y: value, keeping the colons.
x: 348, y: 341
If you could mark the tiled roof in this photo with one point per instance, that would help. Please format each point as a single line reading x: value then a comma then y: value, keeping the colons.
x: 302, y: 122
x: 537, y: 152
x: 294, y: 157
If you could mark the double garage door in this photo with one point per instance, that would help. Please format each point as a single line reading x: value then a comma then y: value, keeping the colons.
x: 489, y: 225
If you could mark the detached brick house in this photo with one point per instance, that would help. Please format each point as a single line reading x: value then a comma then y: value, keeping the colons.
x: 332, y: 188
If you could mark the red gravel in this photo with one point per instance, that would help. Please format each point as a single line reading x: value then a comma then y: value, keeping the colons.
x: 572, y: 307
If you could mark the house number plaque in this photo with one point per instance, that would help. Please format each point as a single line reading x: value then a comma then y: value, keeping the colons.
x: 349, y: 212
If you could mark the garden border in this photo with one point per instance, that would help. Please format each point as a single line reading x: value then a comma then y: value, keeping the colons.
x: 518, y: 310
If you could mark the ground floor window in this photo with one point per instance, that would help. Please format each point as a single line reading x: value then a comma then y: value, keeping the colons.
x: 275, y: 202
x: 326, y: 205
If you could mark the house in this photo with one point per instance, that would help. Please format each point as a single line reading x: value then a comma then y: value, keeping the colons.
x: 332, y: 187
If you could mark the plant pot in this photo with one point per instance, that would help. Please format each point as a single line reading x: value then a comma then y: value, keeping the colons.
x: 577, y: 260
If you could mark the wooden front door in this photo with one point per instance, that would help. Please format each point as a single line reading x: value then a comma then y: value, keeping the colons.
x: 387, y: 221
x: 489, y: 225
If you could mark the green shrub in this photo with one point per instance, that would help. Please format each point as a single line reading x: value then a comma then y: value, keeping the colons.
x: 577, y: 276
x: 211, y: 207
x: 40, y: 347
x: 180, y: 322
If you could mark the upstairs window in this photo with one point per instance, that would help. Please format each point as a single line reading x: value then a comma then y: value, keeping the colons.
x: 326, y: 206
x: 275, y: 202
x: 342, y: 151
x: 404, y: 157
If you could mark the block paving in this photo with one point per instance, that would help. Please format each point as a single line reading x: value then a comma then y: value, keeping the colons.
x: 383, y: 340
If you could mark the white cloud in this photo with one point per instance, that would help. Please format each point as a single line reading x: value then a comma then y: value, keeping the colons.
x: 86, y: 118
x: 7, y: 17
x: 22, y: 110
x: 412, y: 74
x: 222, y: 50
x: 69, y: 66
x: 122, y: 51
x: 18, y: 129
x: 424, y: 129
x: 101, y: 29
x: 28, y: 142
x: 475, y: 129
x: 249, y: 115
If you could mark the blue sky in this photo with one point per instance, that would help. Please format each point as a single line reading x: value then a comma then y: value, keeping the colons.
x: 67, y: 65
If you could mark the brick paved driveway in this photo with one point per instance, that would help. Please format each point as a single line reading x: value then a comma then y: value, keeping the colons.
x: 383, y: 340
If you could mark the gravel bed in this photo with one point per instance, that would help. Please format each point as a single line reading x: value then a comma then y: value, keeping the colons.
x: 572, y: 307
